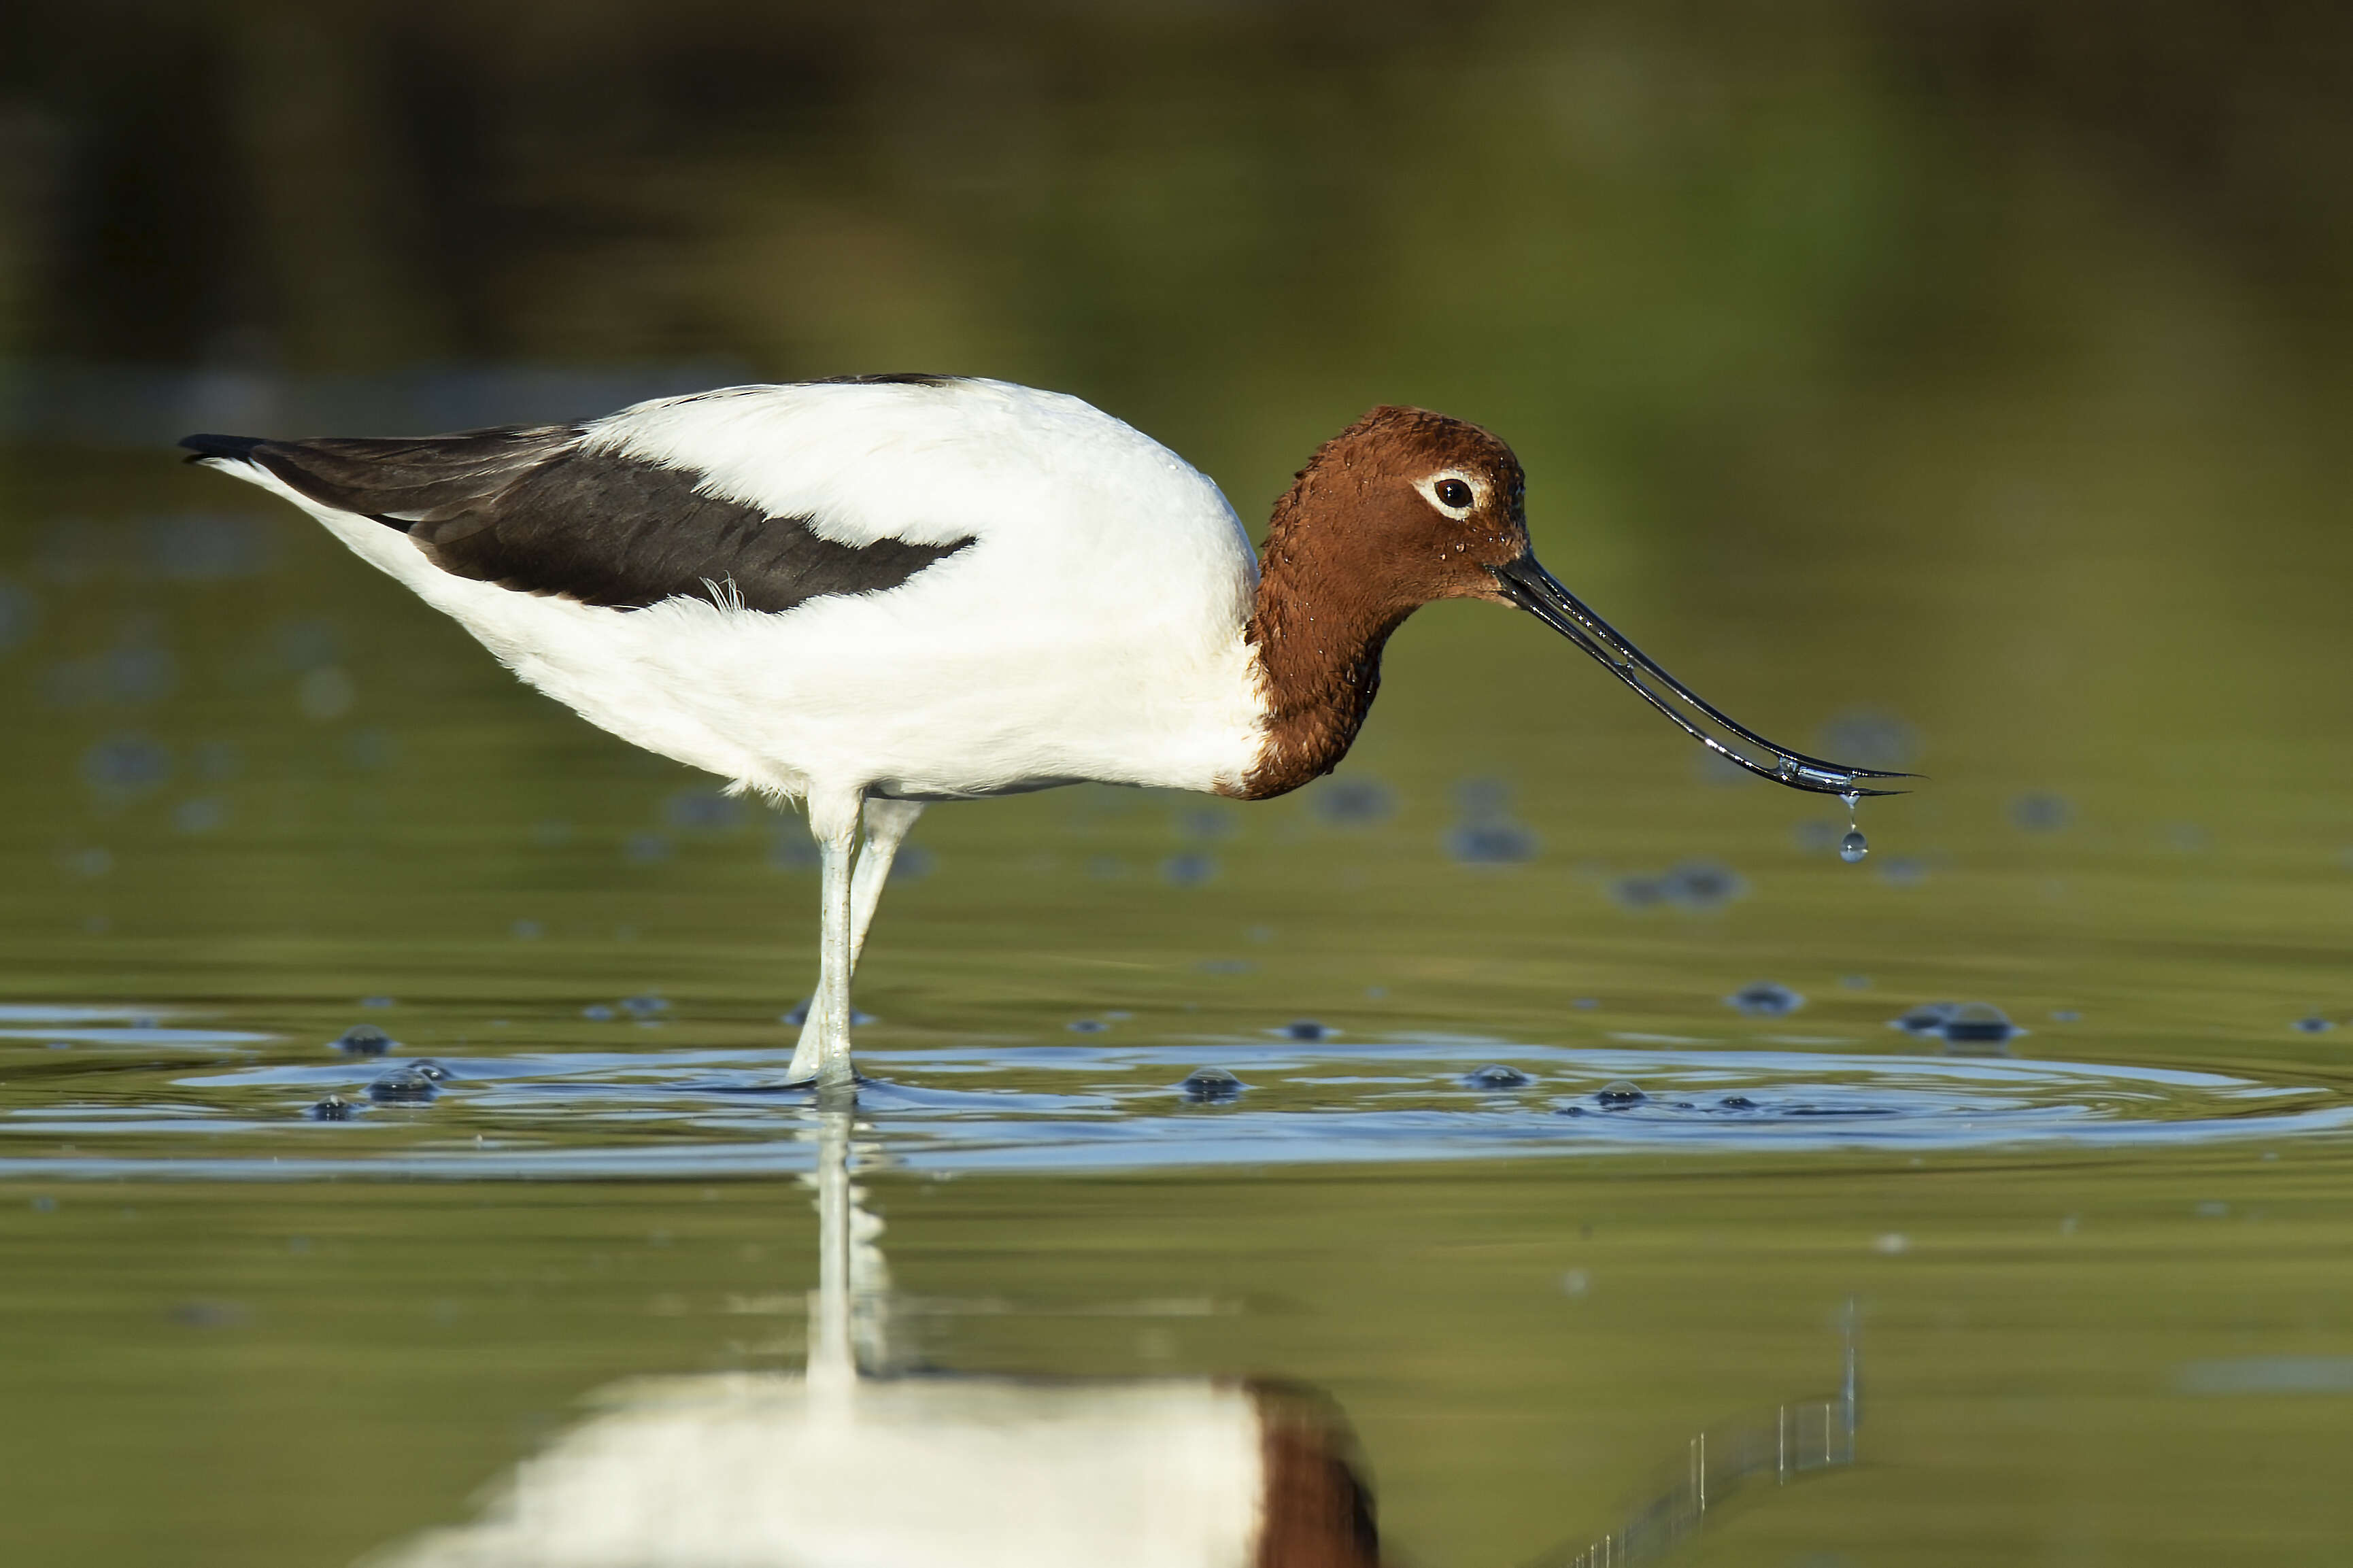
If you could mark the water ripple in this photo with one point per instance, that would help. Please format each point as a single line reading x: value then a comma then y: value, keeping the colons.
x: 1014, y: 1105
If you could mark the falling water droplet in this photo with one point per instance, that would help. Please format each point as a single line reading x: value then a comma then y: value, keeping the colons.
x: 1853, y: 847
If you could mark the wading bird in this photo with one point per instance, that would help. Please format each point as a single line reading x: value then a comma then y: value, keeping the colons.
x: 872, y: 591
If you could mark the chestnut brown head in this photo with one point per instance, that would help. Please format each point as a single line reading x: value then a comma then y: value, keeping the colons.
x: 1406, y: 507
x: 1410, y: 505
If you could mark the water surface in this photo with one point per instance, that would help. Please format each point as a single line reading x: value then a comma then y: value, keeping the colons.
x: 1929, y: 394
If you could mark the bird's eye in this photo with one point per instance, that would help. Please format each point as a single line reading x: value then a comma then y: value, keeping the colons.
x: 1453, y: 494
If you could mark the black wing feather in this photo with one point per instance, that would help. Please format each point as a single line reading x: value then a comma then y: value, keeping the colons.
x: 527, y: 508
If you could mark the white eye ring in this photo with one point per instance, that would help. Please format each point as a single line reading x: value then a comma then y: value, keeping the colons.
x: 1431, y: 487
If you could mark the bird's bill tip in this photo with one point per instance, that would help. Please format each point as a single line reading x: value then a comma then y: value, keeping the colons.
x: 1523, y: 582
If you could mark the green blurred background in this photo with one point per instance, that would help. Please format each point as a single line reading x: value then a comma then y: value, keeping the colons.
x: 1966, y: 381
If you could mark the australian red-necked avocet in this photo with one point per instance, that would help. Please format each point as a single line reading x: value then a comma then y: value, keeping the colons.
x: 869, y: 592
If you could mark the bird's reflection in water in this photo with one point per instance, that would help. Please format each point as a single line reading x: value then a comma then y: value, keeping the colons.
x: 848, y: 1465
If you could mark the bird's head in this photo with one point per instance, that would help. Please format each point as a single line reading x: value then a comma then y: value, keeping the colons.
x: 1407, y: 507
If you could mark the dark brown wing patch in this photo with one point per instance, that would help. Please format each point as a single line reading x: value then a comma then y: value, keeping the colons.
x: 524, y: 507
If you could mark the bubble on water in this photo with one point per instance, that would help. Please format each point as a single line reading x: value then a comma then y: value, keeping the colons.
x: 130, y: 763
x: 1353, y: 802
x: 404, y: 1086
x: 1702, y: 885
x: 2041, y: 812
x: 361, y: 1040
x: 335, y: 1108
x: 1086, y: 1026
x: 1189, y: 870
x: 426, y: 1068
x: 2315, y: 1024
x: 1496, y: 843
x: 597, y: 1012
x: 1978, y: 1028
x: 1764, y: 999
x: 1927, y: 1018
x: 644, y: 1007
x: 1307, y: 1029
x: 376, y: 1002
x: 1495, y: 1076
x: 1570, y: 1110
x: 1853, y: 847
x: 702, y: 811
x: 1618, y: 1095
x: 1210, y: 1084
x: 1736, y: 1102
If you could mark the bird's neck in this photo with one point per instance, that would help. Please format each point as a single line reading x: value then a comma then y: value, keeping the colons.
x: 1317, y: 630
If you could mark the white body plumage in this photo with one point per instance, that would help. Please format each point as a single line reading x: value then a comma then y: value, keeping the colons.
x: 1093, y: 629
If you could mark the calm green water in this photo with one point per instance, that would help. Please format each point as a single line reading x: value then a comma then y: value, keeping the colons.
x: 1919, y: 397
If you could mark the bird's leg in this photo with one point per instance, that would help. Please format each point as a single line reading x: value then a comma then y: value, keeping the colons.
x: 833, y: 823
x: 887, y: 825
x: 888, y: 822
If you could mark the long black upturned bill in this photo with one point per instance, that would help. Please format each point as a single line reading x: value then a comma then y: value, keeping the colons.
x: 1536, y: 591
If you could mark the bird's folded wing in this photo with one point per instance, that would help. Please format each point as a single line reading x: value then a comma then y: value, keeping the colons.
x: 529, y: 508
